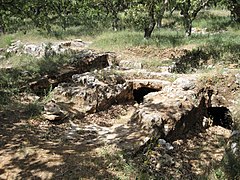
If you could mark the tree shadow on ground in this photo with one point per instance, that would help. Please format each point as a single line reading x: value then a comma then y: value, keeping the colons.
x: 37, y: 149
x: 191, y: 61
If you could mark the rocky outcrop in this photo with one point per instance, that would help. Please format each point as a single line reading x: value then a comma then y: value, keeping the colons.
x: 171, y: 112
x: 81, y: 62
x: 148, y: 83
x: 87, y: 60
x: 53, y: 112
x: 232, y: 156
x: 46, y: 49
x: 89, y: 92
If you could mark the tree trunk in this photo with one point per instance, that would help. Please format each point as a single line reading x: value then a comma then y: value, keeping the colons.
x: 188, y: 27
x: 2, y: 31
x: 115, y: 24
x: 160, y: 17
x: 2, y: 27
x: 152, y: 22
x: 148, y: 30
x: 161, y: 13
x: 159, y: 22
x: 236, y: 12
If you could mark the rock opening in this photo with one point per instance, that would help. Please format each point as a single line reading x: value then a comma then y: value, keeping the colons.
x: 221, y: 116
x: 139, y: 93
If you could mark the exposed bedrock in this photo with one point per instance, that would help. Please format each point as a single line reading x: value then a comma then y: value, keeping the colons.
x: 82, y: 62
x: 89, y: 93
x: 173, y: 111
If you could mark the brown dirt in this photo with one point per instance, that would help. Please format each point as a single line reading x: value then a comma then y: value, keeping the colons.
x: 151, y: 52
x: 38, y: 149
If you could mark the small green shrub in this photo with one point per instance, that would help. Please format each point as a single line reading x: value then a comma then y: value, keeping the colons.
x: 33, y: 109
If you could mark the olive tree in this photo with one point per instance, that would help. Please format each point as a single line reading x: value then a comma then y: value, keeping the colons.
x: 146, y: 14
x: 112, y: 8
x: 189, y: 10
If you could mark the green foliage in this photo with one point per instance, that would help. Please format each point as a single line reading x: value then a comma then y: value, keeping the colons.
x: 120, y: 14
x: 189, y: 11
x: 5, y: 41
x: 136, y: 17
x: 191, y: 61
x: 24, y: 70
x: 10, y: 81
x: 234, y: 7
x: 22, y: 15
x: 33, y: 109
x: 224, y: 48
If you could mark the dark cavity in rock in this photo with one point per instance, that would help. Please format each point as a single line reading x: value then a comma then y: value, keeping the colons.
x: 139, y: 93
x: 221, y: 116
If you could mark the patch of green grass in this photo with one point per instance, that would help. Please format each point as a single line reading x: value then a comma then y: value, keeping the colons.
x: 5, y: 40
x: 118, y: 40
x: 218, y: 49
x: 5, y: 98
x: 163, y: 38
x: 155, y: 63
x: 216, y: 174
x: 75, y: 32
x: 32, y: 36
x: 224, y: 47
x: 10, y: 80
x: 167, y: 38
x: 57, y: 34
x: 230, y: 164
x: 213, y: 20
x: 124, y: 39
x: 38, y: 66
x: 116, y: 163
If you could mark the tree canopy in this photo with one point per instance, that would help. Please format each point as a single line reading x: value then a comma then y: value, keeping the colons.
x: 139, y: 14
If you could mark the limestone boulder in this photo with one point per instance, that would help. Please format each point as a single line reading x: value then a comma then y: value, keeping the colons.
x: 46, y: 49
x: 149, y: 83
x: 34, y: 50
x: 81, y: 62
x: 89, y: 92
x: 2, y: 57
x: 185, y: 83
x: 173, y: 111
x: 232, y: 155
x: 125, y: 64
x: 15, y: 47
x: 53, y: 112
x: 87, y: 60
x: 237, y: 78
